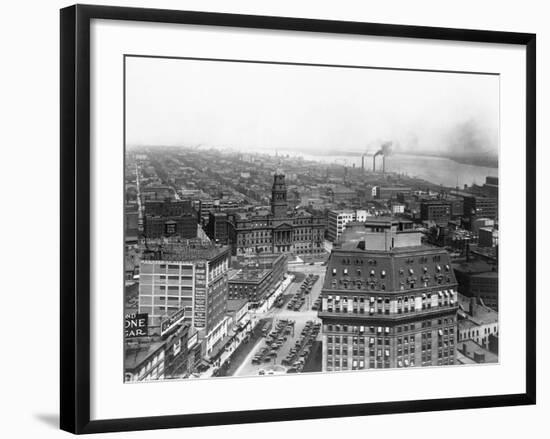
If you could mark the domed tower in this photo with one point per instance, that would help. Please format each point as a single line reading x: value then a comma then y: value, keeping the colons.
x: 278, y: 196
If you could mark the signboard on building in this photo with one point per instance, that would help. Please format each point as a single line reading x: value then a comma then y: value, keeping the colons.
x: 172, y: 321
x: 193, y: 340
x: 199, y: 318
x: 135, y: 325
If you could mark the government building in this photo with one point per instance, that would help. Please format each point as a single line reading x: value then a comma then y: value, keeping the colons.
x: 279, y: 230
x: 388, y: 300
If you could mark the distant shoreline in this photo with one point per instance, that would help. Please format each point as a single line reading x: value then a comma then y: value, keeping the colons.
x: 487, y: 162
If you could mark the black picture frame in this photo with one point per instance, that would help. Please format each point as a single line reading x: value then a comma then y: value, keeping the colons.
x: 75, y: 217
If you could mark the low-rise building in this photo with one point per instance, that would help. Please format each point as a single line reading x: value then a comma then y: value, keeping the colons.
x: 144, y: 361
x: 476, y: 321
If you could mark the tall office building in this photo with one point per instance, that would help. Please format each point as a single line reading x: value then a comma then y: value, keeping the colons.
x: 193, y: 278
x: 388, y: 300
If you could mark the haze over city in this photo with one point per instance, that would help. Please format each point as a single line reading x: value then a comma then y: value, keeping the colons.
x: 309, y: 109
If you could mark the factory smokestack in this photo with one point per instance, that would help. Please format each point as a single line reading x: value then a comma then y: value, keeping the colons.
x: 374, y: 163
x: 363, y: 162
x: 385, y: 149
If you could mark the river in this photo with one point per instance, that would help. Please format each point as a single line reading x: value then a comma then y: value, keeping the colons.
x: 437, y: 170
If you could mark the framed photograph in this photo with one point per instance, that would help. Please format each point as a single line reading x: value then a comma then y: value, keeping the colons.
x: 274, y: 218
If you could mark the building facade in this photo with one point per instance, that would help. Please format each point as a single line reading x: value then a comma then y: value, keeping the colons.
x: 435, y: 211
x: 336, y: 224
x: 192, y: 278
x: 480, y: 207
x: 258, y: 279
x: 277, y: 231
x: 388, y: 301
x: 167, y: 218
x: 216, y: 228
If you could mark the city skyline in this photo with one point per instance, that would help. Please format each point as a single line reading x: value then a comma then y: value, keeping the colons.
x: 356, y: 227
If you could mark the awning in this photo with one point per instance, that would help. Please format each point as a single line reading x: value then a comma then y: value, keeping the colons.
x: 406, y: 363
x: 446, y: 293
x: 387, y: 352
x: 424, y: 296
x: 440, y: 332
x: 399, y: 363
x: 387, y: 329
x: 440, y: 294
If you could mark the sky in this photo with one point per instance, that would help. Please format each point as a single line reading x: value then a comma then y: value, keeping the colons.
x: 308, y: 109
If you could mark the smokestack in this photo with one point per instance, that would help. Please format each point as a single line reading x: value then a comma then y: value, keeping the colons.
x: 473, y: 303
x: 374, y: 163
x: 384, y: 164
x: 363, y: 162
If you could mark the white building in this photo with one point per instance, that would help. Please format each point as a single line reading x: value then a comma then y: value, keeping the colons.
x: 337, y: 220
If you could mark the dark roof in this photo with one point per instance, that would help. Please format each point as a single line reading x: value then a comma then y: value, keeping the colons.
x: 135, y: 357
x: 389, y: 271
x: 177, y: 252
x: 473, y: 267
x: 235, y: 304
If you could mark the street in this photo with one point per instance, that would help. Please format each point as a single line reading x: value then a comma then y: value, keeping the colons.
x: 274, y: 366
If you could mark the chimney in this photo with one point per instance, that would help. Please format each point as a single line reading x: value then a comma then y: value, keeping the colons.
x: 473, y: 304
x: 374, y: 163
x: 384, y: 164
x: 363, y: 162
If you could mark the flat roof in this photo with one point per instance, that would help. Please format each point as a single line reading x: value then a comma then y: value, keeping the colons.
x: 235, y: 304
x: 250, y: 275
x: 135, y: 356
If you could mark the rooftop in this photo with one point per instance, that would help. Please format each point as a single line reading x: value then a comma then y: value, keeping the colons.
x: 474, y: 267
x: 481, y: 315
x: 179, y: 252
x: 250, y: 275
x: 135, y: 356
x: 235, y: 304
x: 400, y: 269
x: 470, y: 348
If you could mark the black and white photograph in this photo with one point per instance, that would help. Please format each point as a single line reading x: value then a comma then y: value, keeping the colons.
x: 287, y: 218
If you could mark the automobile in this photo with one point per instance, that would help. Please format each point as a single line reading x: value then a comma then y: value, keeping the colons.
x: 312, y: 263
x: 261, y: 372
